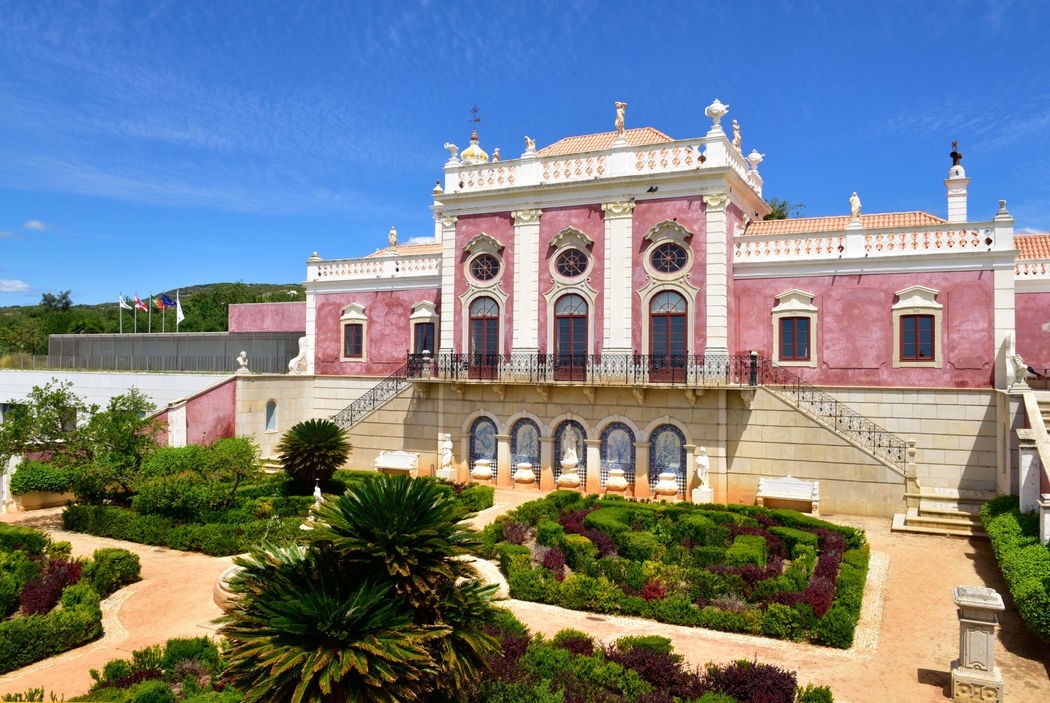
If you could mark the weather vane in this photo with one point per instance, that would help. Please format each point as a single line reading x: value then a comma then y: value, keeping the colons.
x: 474, y: 119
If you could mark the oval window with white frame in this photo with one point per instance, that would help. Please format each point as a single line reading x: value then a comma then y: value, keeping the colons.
x: 484, y: 267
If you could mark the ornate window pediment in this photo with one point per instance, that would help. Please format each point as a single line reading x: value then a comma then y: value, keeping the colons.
x: 795, y: 300
x: 917, y: 297
x: 483, y: 243
x: 354, y: 312
x: 570, y: 237
x: 668, y: 230
x: 424, y: 311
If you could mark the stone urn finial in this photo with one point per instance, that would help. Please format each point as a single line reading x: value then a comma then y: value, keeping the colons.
x: 716, y: 111
x: 754, y: 158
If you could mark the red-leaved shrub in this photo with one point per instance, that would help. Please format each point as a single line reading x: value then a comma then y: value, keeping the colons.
x: 41, y: 593
x: 653, y: 590
x: 554, y: 561
x: 752, y: 682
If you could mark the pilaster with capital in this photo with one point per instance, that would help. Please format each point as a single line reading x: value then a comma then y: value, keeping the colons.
x: 526, y: 280
x: 717, y: 274
x: 619, y: 284
x: 448, y: 281
x: 594, y: 465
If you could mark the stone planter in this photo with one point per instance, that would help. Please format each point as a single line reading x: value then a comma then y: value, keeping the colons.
x: 482, y: 470
x: 617, y: 482
x: 524, y: 474
x: 570, y: 478
x: 667, y: 486
x: 40, y: 499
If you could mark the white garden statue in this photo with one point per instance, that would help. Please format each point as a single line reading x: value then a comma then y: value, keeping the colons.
x: 569, y: 458
x: 703, y: 468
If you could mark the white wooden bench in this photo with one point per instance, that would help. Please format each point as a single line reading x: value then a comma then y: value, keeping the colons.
x: 399, y: 462
x: 790, y: 488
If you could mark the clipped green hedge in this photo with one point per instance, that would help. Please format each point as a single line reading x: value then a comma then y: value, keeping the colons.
x: 16, y: 537
x: 746, y: 550
x: 37, y: 476
x: 216, y: 539
x: 1024, y: 562
x: 29, y: 639
x: 112, y: 568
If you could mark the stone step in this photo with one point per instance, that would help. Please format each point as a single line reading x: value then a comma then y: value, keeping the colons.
x: 900, y: 524
x: 962, y: 513
x: 271, y: 465
x: 950, y: 507
x: 957, y: 496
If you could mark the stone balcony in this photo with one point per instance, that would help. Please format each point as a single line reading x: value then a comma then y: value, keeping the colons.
x: 382, y: 266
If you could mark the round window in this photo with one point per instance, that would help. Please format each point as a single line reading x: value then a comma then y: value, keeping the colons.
x: 571, y: 263
x: 484, y: 267
x: 668, y: 258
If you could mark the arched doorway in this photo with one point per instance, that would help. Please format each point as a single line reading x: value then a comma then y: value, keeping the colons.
x: 484, y: 338
x: 570, y: 337
x: 667, y: 453
x: 570, y: 434
x: 483, y: 442
x: 667, y: 343
x: 617, y: 451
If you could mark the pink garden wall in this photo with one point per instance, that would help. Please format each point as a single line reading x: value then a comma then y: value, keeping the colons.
x: 1032, y: 322
x: 210, y: 414
x: 268, y: 317
x: 387, y: 334
x: 854, y: 334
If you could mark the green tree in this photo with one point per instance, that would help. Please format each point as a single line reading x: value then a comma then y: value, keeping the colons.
x: 116, y: 441
x: 52, y: 302
x: 23, y: 335
x: 50, y: 420
x: 313, y: 620
x: 783, y: 209
x: 313, y: 449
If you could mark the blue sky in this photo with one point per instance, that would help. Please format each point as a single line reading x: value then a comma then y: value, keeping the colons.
x: 148, y: 145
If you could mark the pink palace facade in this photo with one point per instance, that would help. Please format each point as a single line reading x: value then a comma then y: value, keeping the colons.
x: 625, y: 285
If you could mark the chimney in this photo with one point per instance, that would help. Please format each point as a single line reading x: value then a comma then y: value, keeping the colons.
x: 956, y: 183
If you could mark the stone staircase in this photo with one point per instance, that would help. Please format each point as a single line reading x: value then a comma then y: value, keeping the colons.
x: 944, y: 511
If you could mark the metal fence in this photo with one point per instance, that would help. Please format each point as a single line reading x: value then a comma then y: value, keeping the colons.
x: 198, y: 352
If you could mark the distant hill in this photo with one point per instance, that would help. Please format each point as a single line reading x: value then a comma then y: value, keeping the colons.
x: 25, y: 328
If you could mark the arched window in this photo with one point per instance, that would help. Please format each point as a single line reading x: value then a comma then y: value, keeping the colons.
x: 271, y: 416
x: 570, y: 336
x: 569, y: 437
x: 667, y: 453
x: 484, y: 338
x: 525, y: 444
x: 617, y: 451
x: 482, y: 441
x: 667, y: 344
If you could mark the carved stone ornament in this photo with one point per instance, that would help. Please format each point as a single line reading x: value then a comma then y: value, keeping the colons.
x: 524, y: 217
x: 854, y: 206
x: 447, y: 222
x: 483, y: 242
x: 620, y: 209
x: 716, y: 111
x: 242, y: 363
x: 617, y: 481
x: 619, y: 124
x: 530, y: 145
x: 300, y: 363
x: 754, y: 158
x: 716, y: 201
x: 570, y: 236
x: 453, y: 150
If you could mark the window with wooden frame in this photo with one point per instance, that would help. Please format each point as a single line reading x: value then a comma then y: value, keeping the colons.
x: 916, y: 338
x: 794, y: 339
x: 353, y: 341
x: 423, y: 337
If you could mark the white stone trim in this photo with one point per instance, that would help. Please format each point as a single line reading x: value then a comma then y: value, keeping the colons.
x: 422, y: 312
x: 448, y: 279
x: 667, y: 420
x: 311, y: 330
x: 483, y: 243
x: 687, y: 290
x: 353, y: 314
x: 795, y: 303
x: 918, y: 300
x: 667, y: 232
x: 467, y: 298
x: 619, y: 220
x: 526, y: 280
x: 717, y: 273
x: 571, y: 238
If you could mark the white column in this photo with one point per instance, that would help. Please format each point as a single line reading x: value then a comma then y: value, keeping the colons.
x: 956, y: 184
x: 448, y: 282
x: 619, y: 286
x: 717, y: 292
x: 526, y: 281
x: 1003, y: 295
x: 1029, y: 471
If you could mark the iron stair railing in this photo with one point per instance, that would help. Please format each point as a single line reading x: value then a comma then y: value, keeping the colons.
x: 379, y: 394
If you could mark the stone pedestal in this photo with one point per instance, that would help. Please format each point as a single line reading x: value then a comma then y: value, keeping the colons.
x: 641, y: 470
x: 523, y: 474
x: 703, y: 495
x: 546, y: 463
x: 617, y: 481
x: 482, y: 470
x: 974, y: 674
x: 594, y: 465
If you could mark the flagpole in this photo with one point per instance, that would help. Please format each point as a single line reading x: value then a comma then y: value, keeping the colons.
x: 120, y: 311
x: 163, y: 317
x: 150, y: 313
x: 136, y: 314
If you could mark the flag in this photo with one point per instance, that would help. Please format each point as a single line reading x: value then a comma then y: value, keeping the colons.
x: 123, y: 303
x: 158, y: 303
x: 179, y: 317
x: 168, y: 302
x: 139, y: 304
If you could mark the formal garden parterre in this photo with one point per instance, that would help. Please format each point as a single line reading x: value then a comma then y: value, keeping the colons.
x: 49, y: 602
x: 735, y: 568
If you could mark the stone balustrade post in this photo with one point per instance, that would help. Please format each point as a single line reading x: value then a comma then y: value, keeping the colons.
x: 911, y: 477
x: 974, y: 676
x: 1029, y: 470
x: 1044, y: 519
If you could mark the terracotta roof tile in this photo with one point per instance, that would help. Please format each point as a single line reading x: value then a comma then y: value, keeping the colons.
x: 594, y: 142
x: 800, y: 225
x: 409, y: 249
x: 1033, y: 246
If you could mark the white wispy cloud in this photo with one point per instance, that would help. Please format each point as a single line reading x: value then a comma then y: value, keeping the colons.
x: 13, y: 285
x: 420, y: 240
x: 36, y: 225
x: 11, y: 235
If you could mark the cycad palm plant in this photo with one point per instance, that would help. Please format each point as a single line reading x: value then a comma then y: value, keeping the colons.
x: 313, y: 449
x: 300, y: 632
x: 379, y: 605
